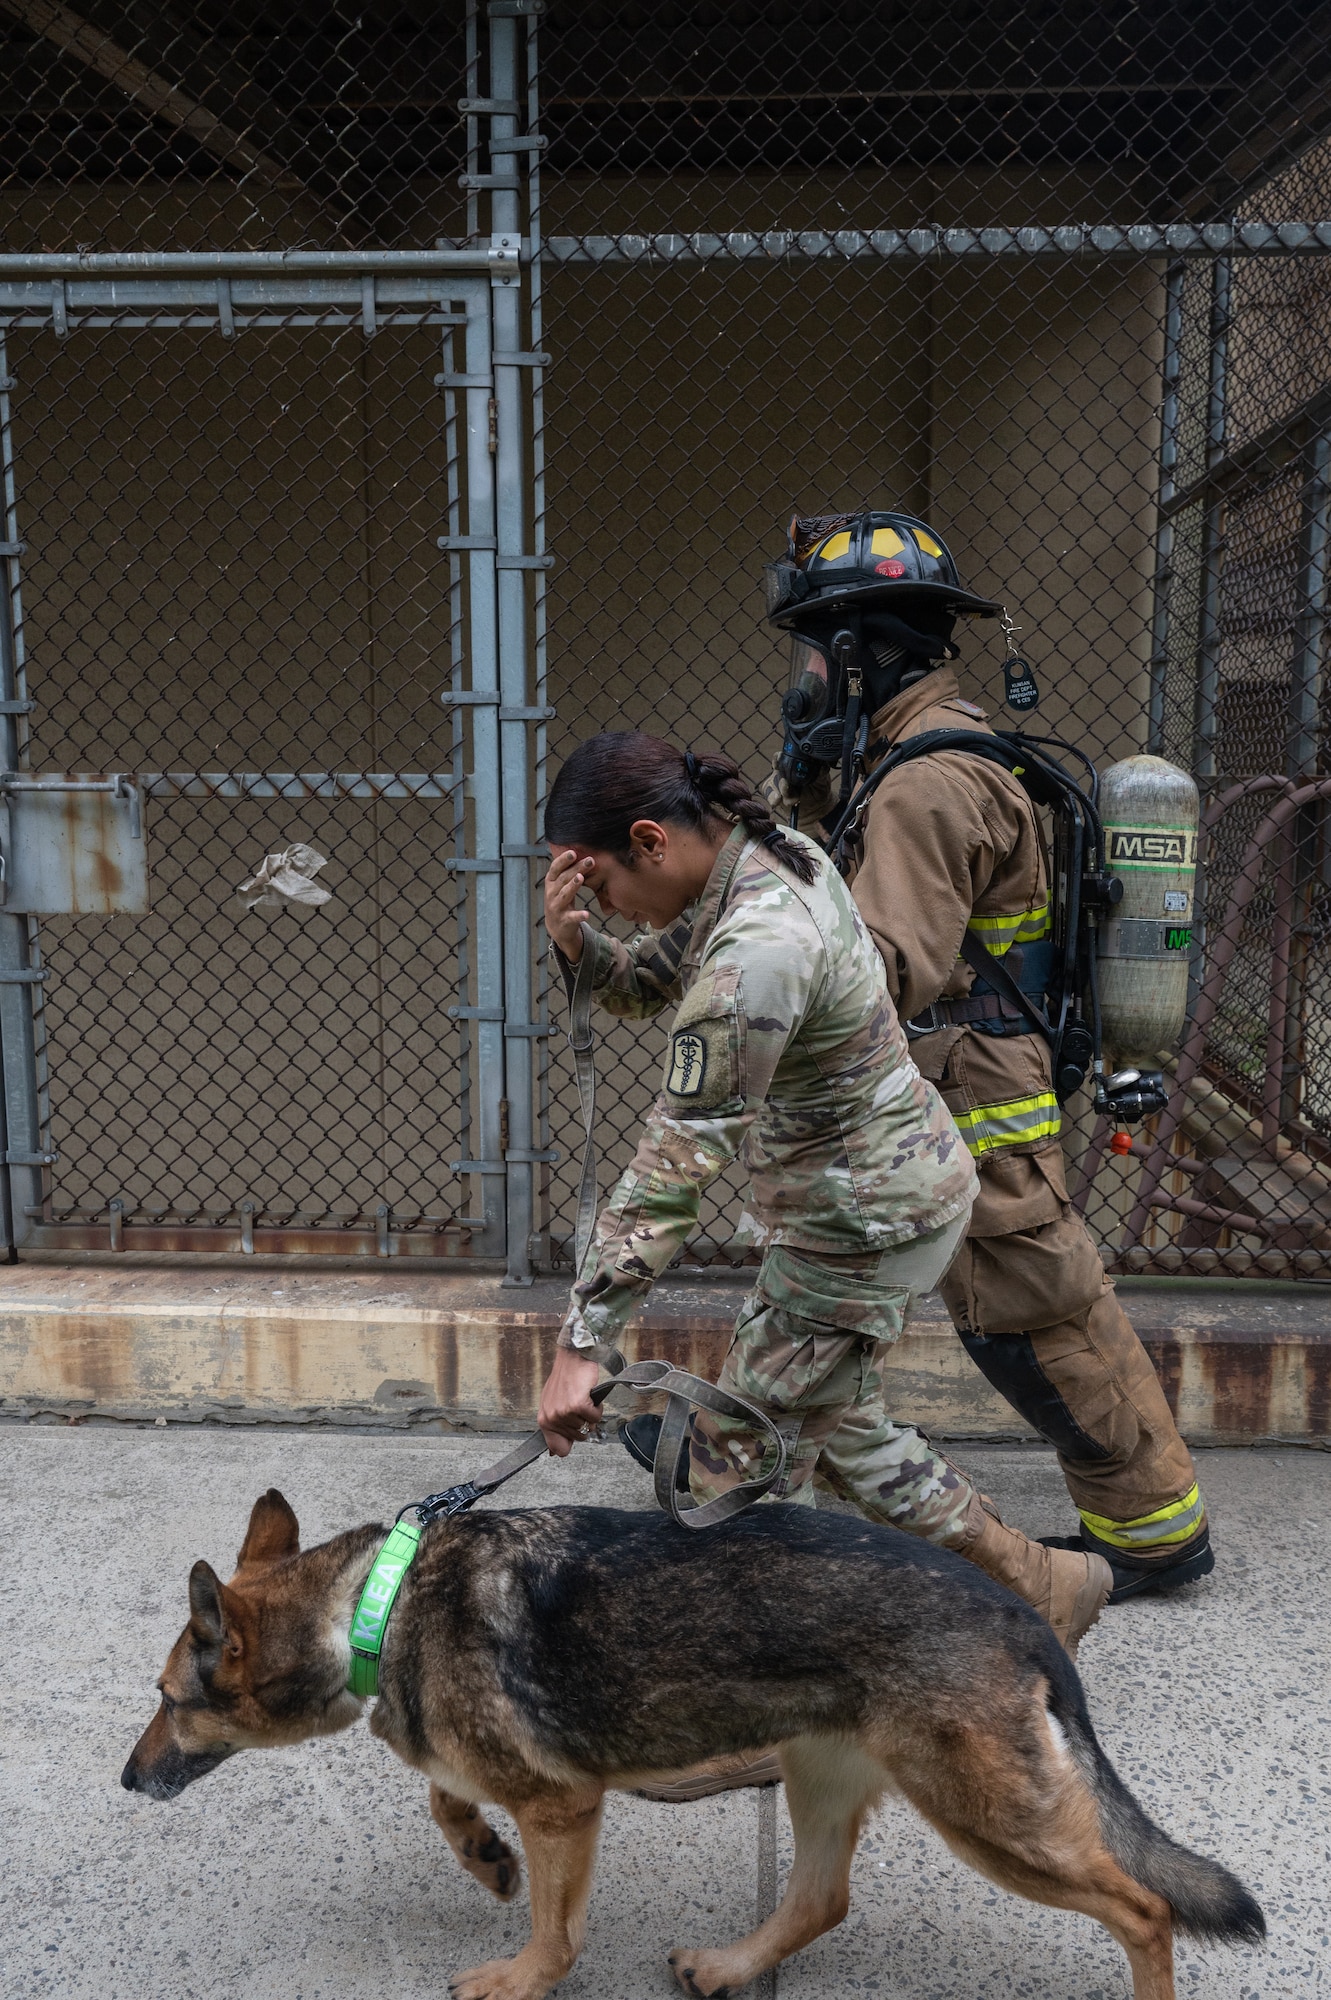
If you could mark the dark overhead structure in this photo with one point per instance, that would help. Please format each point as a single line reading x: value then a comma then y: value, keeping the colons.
x: 349, y: 116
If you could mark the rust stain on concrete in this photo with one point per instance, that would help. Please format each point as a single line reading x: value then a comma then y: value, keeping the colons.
x: 1317, y: 1386
x: 446, y: 1365
x: 84, y: 1356
x: 1240, y: 1376
x: 133, y: 1339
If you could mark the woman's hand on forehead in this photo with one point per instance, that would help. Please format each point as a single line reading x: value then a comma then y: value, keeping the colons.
x: 568, y: 873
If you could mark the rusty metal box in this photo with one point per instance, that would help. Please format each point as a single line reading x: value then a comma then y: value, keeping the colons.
x: 73, y: 846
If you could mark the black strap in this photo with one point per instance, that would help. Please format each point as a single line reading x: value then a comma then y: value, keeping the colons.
x: 1042, y: 776
x: 982, y: 961
x: 684, y: 1391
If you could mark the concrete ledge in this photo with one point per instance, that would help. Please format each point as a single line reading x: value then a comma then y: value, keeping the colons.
x: 1239, y: 1362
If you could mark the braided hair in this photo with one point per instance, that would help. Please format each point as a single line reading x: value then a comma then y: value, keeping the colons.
x: 621, y: 776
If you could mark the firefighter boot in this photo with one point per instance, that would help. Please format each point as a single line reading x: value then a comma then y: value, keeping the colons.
x: 1136, y: 1575
x: 1069, y: 1588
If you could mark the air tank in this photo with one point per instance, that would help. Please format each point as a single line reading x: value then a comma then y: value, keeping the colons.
x: 1149, y: 811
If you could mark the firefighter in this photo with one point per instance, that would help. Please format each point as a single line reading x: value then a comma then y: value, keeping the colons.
x: 952, y: 844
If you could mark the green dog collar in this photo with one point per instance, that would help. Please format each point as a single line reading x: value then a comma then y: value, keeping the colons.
x: 370, y: 1619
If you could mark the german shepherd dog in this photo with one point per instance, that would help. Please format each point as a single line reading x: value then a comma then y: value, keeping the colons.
x: 539, y: 1657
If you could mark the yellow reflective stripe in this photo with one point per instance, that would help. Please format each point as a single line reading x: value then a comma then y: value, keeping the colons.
x: 1178, y: 1522
x: 1013, y: 1124
x: 1019, y: 927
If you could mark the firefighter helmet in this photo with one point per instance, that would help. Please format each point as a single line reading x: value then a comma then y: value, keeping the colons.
x: 885, y: 560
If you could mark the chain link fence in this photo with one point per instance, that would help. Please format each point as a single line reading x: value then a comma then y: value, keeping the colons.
x: 1054, y: 279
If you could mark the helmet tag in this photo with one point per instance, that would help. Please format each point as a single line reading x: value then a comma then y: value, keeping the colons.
x: 1019, y: 688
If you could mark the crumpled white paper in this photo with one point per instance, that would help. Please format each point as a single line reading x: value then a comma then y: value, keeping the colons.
x: 285, y: 877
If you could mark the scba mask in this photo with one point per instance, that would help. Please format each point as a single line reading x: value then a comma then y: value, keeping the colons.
x: 815, y: 708
x: 837, y: 682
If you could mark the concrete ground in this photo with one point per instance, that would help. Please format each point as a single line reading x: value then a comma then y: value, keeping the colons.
x: 317, y: 1873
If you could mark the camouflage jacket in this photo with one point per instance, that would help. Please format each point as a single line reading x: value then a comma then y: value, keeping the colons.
x: 785, y: 1044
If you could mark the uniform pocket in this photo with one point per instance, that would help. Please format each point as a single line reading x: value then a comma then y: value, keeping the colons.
x: 807, y: 1296
x: 704, y: 1066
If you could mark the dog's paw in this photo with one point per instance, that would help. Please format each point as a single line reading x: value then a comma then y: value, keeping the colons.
x: 497, y: 1979
x: 479, y: 1849
x: 492, y: 1861
x: 699, y: 1973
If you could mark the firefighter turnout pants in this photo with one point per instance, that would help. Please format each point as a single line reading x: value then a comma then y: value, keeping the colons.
x: 1042, y: 1322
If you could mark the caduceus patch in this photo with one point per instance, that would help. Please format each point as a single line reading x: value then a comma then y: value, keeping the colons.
x: 688, y: 1064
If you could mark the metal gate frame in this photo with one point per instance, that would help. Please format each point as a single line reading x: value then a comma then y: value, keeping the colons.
x: 494, y: 545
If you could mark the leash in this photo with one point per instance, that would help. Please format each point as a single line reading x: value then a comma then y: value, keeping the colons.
x: 684, y: 1391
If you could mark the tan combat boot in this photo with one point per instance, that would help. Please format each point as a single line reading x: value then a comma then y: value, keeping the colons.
x: 718, y: 1774
x: 1067, y: 1588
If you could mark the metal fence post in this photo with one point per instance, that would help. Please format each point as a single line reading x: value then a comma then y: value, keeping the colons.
x: 490, y: 1116
x: 20, y: 1127
x: 1307, y: 671
x: 518, y: 713
x: 540, y: 687
x: 1303, y: 855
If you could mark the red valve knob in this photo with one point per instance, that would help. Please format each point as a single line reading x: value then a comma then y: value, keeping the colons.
x: 1121, y: 1143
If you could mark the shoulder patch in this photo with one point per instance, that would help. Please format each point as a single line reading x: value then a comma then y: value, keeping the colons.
x: 687, y: 1073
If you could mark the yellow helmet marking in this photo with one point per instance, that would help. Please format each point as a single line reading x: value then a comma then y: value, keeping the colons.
x: 834, y: 546
x: 927, y: 543
x: 886, y: 542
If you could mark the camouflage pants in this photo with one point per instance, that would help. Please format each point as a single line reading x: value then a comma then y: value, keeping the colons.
x: 808, y: 1349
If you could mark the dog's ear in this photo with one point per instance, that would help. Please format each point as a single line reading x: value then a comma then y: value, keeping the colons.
x: 273, y: 1531
x: 207, y: 1619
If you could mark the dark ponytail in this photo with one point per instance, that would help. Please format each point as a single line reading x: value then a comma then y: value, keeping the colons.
x: 623, y: 775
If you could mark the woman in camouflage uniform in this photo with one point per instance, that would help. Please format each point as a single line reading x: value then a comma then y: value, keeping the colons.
x: 785, y: 1043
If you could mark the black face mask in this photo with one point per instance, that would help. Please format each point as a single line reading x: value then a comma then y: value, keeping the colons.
x: 839, y: 677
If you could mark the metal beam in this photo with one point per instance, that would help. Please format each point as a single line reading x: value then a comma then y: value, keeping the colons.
x: 44, y: 266
x: 1077, y: 239
x: 1308, y: 670
x: 323, y: 292
x: 1162, y: 581
x: 1081, y: 240
x: 192, y: 83
x: 20, y: 974
x: 429, y: 785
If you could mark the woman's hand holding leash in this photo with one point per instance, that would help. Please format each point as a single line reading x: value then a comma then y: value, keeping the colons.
x: 563, y: 919
x: 567, y: 1414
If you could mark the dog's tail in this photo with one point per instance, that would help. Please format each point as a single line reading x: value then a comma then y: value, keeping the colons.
x: 1207, y: 1901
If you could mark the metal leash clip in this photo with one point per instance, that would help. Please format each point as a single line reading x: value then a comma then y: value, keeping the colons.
x: 442, y: 1506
